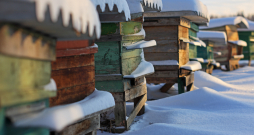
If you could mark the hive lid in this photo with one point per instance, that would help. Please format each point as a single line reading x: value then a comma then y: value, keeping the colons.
x: 251, y: 27
x: 219, y: 38
x: 61, y: 19
x: 194, y: 10
x: 238, y: 21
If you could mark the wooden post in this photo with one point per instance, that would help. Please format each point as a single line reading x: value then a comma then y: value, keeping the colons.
x: 120, y: 114
x: 166, y: 87
x: 136, y: 101
x: 181, y: 85
x: 249, y: 61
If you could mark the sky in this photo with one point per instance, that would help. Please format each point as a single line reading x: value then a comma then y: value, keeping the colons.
x: 229, y: 7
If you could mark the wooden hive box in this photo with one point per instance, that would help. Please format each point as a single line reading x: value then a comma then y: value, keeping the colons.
x: 170, y: 28
x: 199, y: 50
x: 27, y: 50
x: 119, y: 58
x: 232, y: 53
x: 247, y: 35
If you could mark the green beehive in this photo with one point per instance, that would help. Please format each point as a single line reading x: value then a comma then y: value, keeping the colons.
x: 120, y: 67
x: 248, y: 36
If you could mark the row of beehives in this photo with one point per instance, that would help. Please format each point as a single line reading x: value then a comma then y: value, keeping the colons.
x: 32, y: 35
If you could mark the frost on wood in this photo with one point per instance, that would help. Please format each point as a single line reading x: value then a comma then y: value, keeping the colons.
x: 186, y: 5
x: 165, y: 62
x: 51, y: 86
x: 214, y: 36
x: 144, y: 68
x: 82, y: 14
x: 121, y: 5
x: 192, y: 65
x: 238, y: 42
x: 57, y: 118
x: 141, y: 44
x: 251, y: 27
x: 239, y: 21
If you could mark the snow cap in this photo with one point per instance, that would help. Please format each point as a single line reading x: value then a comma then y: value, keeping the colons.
x: 239, y: 21
x: 239, y: 42
x: 214, y: 36
x: 122, y: 6
x: 251, y: 27
x: 140, y: 6
x: 186, y: 5
x: 82, y: 13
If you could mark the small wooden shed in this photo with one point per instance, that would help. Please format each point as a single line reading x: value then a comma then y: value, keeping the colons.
x: 232, y: 53
x: 170, y: 28
x: 247, y: 35
x: 120, y: 67
x: 212, y: 39
x: 29, y: 36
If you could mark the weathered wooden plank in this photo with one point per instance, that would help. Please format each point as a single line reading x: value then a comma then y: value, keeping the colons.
x: 137, y: 81
x: 73, y: 44
x: 136, y: 101
x: 167, y: 21
x: 164, y: 46
x: 72, y: 94
x: 164, y: 74
x: 110, y: 86
x: 19, y: 42
x: 135, y: 92
x: 161, y: 80
x: 109, y: 77
x: 110, y: 28
x: 73, y: 76
x: 161, y: 56
x: 107, y: 38
x: 120, y: 114
x: 162, y: 34
x: 118, y: 96
x: 130, y: 53
x: 74, y: 52
x: 73, y: 61
x: 165, y: 67
x: 83, y: 127
x: 130, y: 64
x: 189, y: 79
x: 128, y: 28
x: 22, y: 73
x: 107, y: 60
x: 112, y: 17
x: 232, y: 35
x: 136, y: 110
x: 166, y: 87
x: 183, y: 32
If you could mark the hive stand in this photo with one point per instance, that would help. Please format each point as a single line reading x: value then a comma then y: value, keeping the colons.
x: 113, y: 61
x: 248, y: 51
x: 172, y: 36
x: 228, y: 52
x: 25, y: 58
x: 208, y: 54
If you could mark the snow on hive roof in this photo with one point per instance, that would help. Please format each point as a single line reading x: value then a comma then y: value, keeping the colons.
x: 82, y: 13
x: 251, y: 27
x: 58, y: 117
x: 141, y: 44
x: 215, y: 36
x: 137, y: 7
x: 186, y: 5
x: 239, y: 21
x: 122, y: 6
x: 239, y: 42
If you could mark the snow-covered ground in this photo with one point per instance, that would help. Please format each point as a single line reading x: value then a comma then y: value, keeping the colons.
x: 223, y: 104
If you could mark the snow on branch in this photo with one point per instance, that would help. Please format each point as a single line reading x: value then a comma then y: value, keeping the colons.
x: 82, y: 12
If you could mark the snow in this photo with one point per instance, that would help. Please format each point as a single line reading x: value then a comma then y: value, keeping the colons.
x: 94, y: 46
x: 198, y: 59
x: 51, y: 86
x: 144, y: 68
x: 121, y: 5
x: 223, y: 105
x: 218, y: 53
x: 245, y: 63
x: 238, y: 42
x: 192, y: 65
x: 213, y: 36
x: 238, y: 56
x: 56, y: 118
x: 141, y: 44
x: 165, y: 62
x: 186, y: 5
x: 137, y: 7
x: 82, y: 13
x: 239, y: 21
x: 141, y: 33
x: 196, y: 41
x: 251, y: 27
